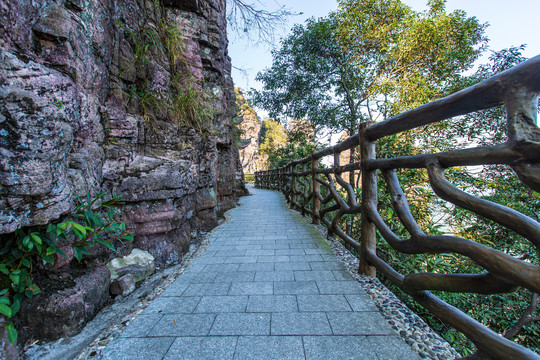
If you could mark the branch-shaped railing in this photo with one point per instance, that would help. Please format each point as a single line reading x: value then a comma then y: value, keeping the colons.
x: 301, y: 181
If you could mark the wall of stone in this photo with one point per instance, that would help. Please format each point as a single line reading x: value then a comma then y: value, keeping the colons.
x: 73, y: 120
x: 70, y: 123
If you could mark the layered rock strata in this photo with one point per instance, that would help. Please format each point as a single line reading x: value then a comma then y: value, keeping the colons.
x: 87, y: 103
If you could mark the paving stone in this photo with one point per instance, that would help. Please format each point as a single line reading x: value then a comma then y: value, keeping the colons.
x: 257, y: 267
x: 292, y: 266
x: 269, y: 347
x: 327, y: 265
x: 314, y: 275
x: 323, y: 303
x: 207, y: 289
x: 304, y: 323
x: 275, y: 246
x: 361, y: 303
x: 318, y: 251
x: 252, y: 288
x: 183, y: 325
x: 209, y: 260
x: 221, y: 267
x: 329, y: 257
x: 276, y: 259
x: 137, y: 348
x: 341, y: 274
x: 359, y: 323
x: 272, y: 303
x: 240, y: 260
x: 295, y: 287
x: 202, y: 348
x: 260, y: 252
x: 222, y: 304
x: 302, y: 246
x: 299, y: 258
x: 238, y: 276
x: 230, y: 253
x: 141, y: 325
x: 338, y: 347
x: 290, y: 252
x: 340, y: 287
x: 172, y: 305
x: 177, y: 288
x: 200, y: 277
x: 274, y: 276
x: 241, y: 324
x: 248, y: 247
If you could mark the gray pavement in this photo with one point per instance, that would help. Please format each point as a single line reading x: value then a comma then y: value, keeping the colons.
x: 267, y: 287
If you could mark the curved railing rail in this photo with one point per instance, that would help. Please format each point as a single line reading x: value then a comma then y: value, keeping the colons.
x: 518, y: 89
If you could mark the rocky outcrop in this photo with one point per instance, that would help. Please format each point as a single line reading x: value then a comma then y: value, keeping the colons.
x: 90, y: 100
x: 65, y: 312
x: 73, y: 118
x: 250, y: 127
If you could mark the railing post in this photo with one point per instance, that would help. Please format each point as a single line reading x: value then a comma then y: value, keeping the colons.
x: 316, y: 189
x: 303, y: 199
x: 294, y: 182
x: 368, y: 239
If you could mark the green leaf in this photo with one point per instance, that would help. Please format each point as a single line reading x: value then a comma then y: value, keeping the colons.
x: 5, y: 310
x: 80, y: 228
x: 26, y: 262
x: 51, y: 251
x: 15, y: 278
x: 36, y: 238
x: 3, y: 292
x: 16, y: 305
x: 79, y: 251
x: 109, y: 245
x: 49, y: 259
x: 127, y: 237
x: 3, y: 269
x: 11, y: 332
x: 59, y: 251
x: 77, y: 233
x: 4, y: 300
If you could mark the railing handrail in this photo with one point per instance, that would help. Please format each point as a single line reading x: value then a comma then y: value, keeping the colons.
x: 488, y: 93
x: 518, y: 89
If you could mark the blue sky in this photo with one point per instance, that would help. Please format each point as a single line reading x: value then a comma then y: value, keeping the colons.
x: 512, y: 23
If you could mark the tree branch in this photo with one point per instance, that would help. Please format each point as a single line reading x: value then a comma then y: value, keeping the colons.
x: 247, y: 20
x: 525, y: 318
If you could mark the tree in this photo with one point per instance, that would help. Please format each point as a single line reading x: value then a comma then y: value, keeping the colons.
x: 371, y: 58
x: 409, y: 57
x: 312, y: 78
x: 273, y: 136
x: 246, y: 19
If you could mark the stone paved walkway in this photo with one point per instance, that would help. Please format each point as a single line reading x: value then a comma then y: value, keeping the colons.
x: 267, y: 287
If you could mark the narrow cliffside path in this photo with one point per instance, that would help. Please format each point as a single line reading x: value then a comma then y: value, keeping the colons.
x: 267, y: 287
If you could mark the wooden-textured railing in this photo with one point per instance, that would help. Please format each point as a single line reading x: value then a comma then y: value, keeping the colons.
x: 518, y: 89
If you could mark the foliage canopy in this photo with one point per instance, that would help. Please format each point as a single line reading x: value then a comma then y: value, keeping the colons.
x: 368, y: 60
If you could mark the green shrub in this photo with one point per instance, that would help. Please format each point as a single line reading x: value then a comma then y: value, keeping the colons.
x: 91, y: 223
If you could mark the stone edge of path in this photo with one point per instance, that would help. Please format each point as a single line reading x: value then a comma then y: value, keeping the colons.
x: 112, y: 321
x: 407, y: 324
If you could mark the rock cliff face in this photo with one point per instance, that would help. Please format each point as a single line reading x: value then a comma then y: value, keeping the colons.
x: 131, y: 96
x: 87, y: 104
x: 248, y: 123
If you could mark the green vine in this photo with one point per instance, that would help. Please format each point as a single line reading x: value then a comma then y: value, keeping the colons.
x: 91, y: 223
